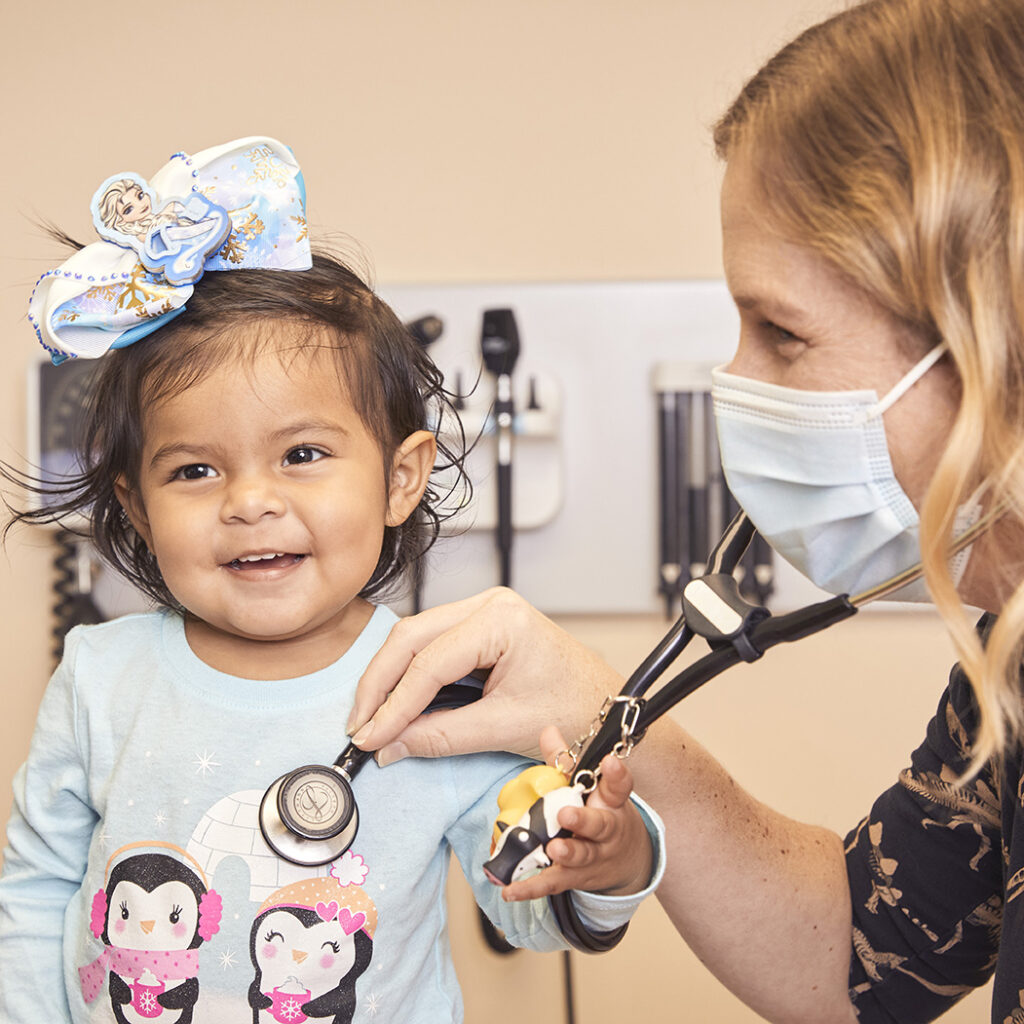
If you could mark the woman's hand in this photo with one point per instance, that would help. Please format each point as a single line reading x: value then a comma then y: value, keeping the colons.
x: 539, y: 676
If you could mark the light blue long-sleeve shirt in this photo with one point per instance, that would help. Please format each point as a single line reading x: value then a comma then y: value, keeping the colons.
x: 137, y: 885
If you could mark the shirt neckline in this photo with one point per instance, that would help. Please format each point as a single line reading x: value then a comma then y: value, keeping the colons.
x: 235, y: 691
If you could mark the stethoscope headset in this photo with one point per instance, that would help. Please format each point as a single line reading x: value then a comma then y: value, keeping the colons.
x: 309, y: 816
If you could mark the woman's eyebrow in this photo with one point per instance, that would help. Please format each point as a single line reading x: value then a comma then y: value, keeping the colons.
x: 768, y: 303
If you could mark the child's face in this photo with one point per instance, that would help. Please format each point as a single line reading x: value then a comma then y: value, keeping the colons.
x: 264, y: 499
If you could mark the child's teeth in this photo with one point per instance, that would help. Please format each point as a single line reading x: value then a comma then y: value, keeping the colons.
x: 260, y: 558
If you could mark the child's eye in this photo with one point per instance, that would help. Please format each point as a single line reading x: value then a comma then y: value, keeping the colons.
x: 303, y: 454
x: 195, y: 471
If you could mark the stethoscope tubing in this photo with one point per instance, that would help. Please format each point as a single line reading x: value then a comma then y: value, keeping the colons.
x: 763, y: 632
x: 759, y: 632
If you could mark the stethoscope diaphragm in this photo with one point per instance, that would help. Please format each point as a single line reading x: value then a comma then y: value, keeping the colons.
x: 309, y: 816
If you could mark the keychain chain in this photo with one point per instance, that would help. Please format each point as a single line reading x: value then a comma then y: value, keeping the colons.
x: 628, y: 739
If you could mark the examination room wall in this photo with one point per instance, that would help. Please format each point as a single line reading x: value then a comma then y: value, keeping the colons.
x: 460, y: 141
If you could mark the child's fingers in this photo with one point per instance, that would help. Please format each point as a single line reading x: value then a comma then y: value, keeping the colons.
x: 550, y: 881
x: 551, y: 744
x: 590, y: 822
x: 614, y: 786
x: 572, y: 867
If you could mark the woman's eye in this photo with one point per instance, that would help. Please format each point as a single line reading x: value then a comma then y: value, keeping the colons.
x: 781, y: 335
x: 305, y: 453
x: 195, y: 471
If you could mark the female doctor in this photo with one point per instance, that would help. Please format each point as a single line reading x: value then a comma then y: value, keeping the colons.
x: 873, y: 226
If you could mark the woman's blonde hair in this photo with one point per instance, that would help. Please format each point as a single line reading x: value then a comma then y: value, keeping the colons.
x: 890, y: 140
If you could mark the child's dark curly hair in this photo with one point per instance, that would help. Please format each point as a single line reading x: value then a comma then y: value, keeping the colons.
x: 394, y: 385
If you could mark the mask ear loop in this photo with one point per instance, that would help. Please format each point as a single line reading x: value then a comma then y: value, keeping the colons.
x: 904, y: 385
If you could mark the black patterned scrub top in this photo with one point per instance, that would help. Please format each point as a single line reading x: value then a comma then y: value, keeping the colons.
x: 937, y: 879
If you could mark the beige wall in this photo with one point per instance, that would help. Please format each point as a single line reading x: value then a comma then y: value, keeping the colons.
x: 456, y: 140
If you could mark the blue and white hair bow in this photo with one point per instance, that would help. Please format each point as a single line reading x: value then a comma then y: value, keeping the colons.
x: 231, y: 207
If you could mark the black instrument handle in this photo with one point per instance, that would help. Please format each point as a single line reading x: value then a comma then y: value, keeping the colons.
x: 454, y: 695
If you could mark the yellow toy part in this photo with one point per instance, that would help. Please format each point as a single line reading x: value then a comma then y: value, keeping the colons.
x: 518, y: 795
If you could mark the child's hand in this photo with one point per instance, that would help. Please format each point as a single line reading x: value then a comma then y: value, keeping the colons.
x: 610, y: 850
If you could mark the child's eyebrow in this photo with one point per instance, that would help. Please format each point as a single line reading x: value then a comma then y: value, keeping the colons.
x: 308, y: 427
x: 177, y: 450
x: 182, y: 449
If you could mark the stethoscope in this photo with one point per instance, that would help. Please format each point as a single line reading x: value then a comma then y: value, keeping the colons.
x: 309, y: 816
x: 735, y: 630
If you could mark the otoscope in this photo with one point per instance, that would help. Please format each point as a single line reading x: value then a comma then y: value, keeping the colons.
x: 426, y: 330
x: 499, y: 343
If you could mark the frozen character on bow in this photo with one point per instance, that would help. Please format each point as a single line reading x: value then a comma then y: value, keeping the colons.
x: 173, y: 239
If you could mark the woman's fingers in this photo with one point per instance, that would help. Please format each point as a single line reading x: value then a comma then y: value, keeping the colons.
x: 477, y: 727
x: 539, y: 675
x: 421, y: 654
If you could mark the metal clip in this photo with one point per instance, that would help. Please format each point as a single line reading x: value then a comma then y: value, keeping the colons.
x: 630, y: 719
x: 575, y: 749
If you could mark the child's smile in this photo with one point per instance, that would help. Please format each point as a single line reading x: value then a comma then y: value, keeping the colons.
x: 264, y: 563
x: 264, y: 498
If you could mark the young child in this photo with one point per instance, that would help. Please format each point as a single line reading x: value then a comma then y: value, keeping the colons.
x: 258, y: 460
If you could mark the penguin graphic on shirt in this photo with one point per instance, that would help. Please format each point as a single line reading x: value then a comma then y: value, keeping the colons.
x: 309, y: 944
x: 152, y: 916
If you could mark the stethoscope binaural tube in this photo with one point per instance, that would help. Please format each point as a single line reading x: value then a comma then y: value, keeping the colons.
x: 309, y: 816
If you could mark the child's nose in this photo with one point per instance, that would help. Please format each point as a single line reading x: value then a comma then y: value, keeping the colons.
x: 251, y: 497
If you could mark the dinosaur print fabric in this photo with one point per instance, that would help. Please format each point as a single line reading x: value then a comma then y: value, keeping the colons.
x: 936, y: 876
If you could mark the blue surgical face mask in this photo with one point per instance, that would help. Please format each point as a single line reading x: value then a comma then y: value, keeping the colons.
x: 812, y: 471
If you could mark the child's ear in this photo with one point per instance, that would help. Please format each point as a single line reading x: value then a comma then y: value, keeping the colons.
x: 410, y: 473
x: 131, y: 502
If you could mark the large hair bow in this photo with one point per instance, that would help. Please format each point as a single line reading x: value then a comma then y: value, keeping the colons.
x: 230, y: 207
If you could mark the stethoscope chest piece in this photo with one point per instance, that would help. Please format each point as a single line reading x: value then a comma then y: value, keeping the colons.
x: 309, y: 816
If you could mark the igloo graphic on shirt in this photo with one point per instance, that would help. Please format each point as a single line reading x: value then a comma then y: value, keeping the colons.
x: 152, y: 915
x: 309, y: 944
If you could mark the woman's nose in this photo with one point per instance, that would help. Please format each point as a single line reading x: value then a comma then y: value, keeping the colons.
x: 749, y: 358
x: 251, y: 497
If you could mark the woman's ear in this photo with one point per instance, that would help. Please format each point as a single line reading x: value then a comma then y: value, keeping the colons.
x: 410, y: 473
x: 131, y: 502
